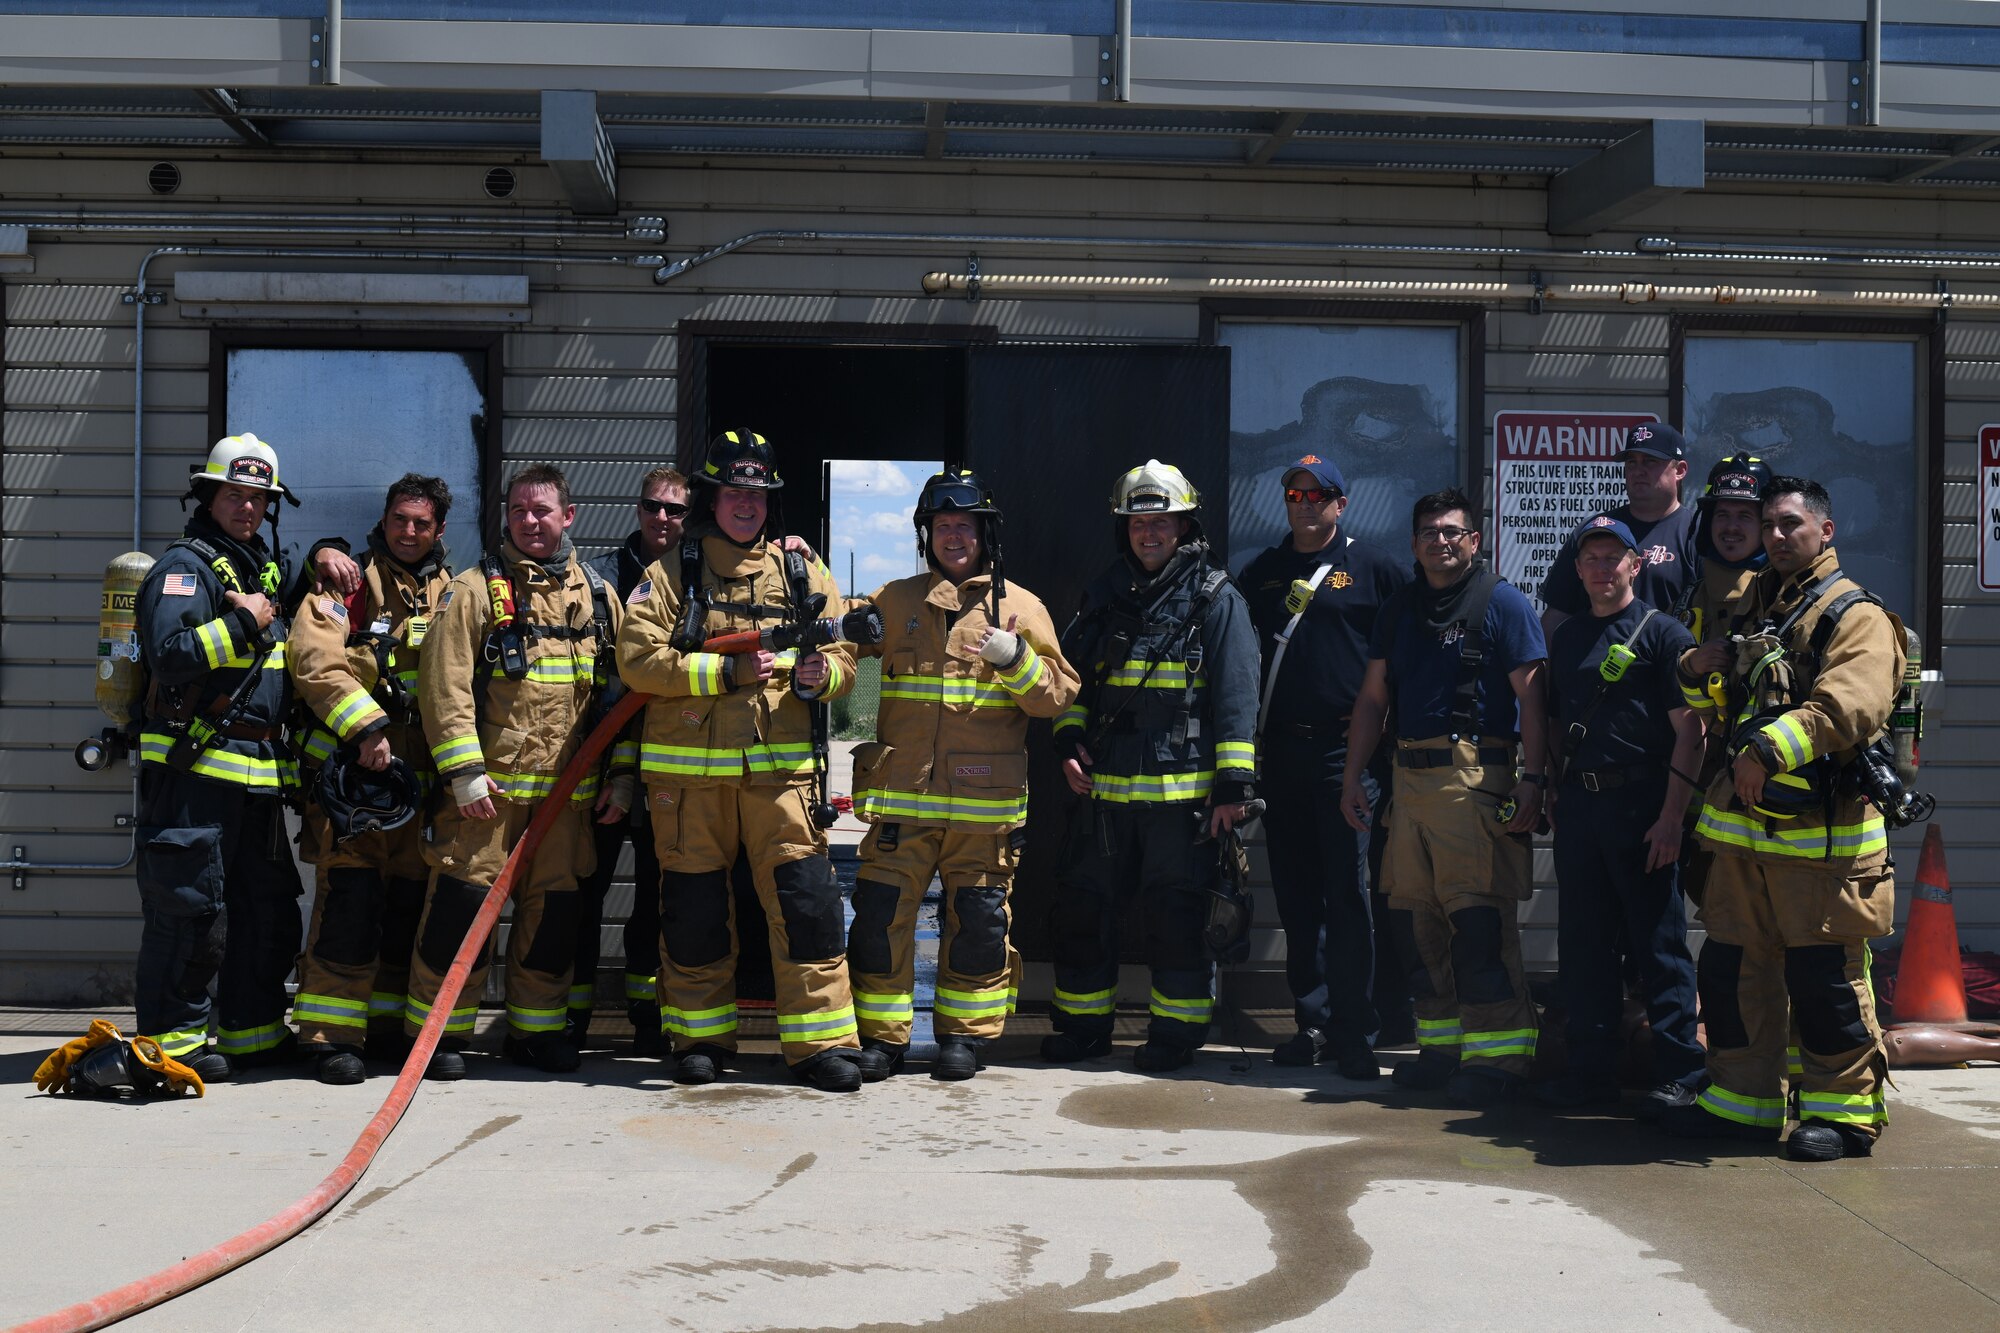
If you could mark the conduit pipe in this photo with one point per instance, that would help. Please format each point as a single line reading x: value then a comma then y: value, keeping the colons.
x: 1626, y: 293
x: 139, y: 304
x: 71, y: 219
x: 188, y: 1274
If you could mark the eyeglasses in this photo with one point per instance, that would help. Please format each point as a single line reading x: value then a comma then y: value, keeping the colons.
x: 1450, y: 535
x: 664, y: 508
x: 1309, y: 495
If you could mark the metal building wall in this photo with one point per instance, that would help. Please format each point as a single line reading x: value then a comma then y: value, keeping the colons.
x: 593, y: 381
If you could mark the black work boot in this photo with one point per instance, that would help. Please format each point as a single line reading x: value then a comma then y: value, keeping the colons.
x: 340, y: 1065
x: 829, y: 1071
x: 1827, y: 1141
x: 957, y: 1059
x: 1307, y: 1046
x: 876, y: 1059
x: 1695, y: 1121
x: 212, y: 1066
x: 699, y: 1064
x: 1357, y: 1063
x: 1429, y: 1072
x: 1662, y: 1096
x: 1159, y: 1057
x: 1066, y: 1048
x: 447, y: 1065
x: 550, y: 1052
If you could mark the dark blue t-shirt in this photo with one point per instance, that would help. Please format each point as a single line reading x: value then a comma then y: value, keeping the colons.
x: 1329, y: 650
x: 1631, y: 725
x: 1418, y: 635
x: 1666, y: 545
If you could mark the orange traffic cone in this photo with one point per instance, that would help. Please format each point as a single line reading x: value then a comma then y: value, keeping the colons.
x: 1930, y: 983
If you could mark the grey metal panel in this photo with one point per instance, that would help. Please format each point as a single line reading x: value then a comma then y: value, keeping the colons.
x: 577, y: 149
x: 204, y: 52
x: 455, y: 288
x: 1663, y: 158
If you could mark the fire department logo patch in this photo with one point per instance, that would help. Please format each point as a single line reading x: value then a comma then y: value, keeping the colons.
x: 690, y: 717
x: 972, y: 771
x: 663, y: 798
x: 1340, y: 578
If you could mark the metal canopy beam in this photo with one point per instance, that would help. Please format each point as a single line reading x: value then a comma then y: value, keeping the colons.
x: 578, y: 150
x: 223, y: 103
x: 934, y: 130
x: 1280, y: 135
x: 1962, y: 151
x: 1664, y: 158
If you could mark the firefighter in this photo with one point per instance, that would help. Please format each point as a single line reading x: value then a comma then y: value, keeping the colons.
x: 517, y: 654
x: 1160, y: 744
x: 662, y: 515
x: 969, y: 658
x: 728, y: 758
x: 354, y: 665
x: 1801, y: 879
x: 214, y: 864
x: 1465, y: 654
x: 1655, y: 460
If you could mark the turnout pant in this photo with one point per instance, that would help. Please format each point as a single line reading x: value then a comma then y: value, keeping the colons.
x: 642, y: 928
x: 465, y: 857
x: 1609, y: 904
x: 218, y: 893
x: 1319, y: 875
x: 1456, y: 880
x: 1808, y: 926
x: 1113, y: 854
x: 368, y: 894
x: 698, y: 832
x: 978, y: 969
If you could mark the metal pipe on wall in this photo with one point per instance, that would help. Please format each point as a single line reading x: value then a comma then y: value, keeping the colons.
x: 1124, y: 50
x: 331, y: 72
x: 1874, y: 99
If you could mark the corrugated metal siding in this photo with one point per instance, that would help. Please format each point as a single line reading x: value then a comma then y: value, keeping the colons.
x: 593, y: 383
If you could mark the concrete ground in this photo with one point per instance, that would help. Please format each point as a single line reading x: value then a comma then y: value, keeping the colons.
x: 1231, y: 1195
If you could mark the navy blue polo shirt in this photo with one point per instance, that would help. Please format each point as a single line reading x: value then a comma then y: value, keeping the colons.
x: 1328, y: 655
x: 1667, y: 544
x: 1632, y: 724
x: 1418, y: 636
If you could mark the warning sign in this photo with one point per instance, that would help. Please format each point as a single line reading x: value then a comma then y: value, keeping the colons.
x: 1989, y: 508
x: 1551, y: 471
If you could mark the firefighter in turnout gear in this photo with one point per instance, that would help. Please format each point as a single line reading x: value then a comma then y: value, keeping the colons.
x: 1160, y: 743
x: 217, y: 885
x: 354, y: 665
x: 514, y: 660
x: 1801, y: 879
x: 968, y: 660
x: 728, y: 756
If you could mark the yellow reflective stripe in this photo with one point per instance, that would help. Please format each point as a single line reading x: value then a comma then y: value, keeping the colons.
x: 1085, y: 1002
x: 1846, y: 1108
x: 1076, y: 715
x: 218, y: 645
x: 581, y: 995
x: 1198, y: 1010
x: 1696, y: 695
x: 528, y: 1022
x: 1758, y: 1111
x: 181, y: 1041
x: 819, y: 1026
x: 382, y: 1003
x: 551, y: 670
x: 887, y: 1007
x: 1025, y: 674
x: 641, y: 988
x: 693, y: 1023
x: 834, y: 677
x: 352, y: 713
x: 416, y: 1011
x: 1734, y: 829
x: 969, y: 1003
x: 1788, y: 740
x: 319, y: 744
x: 245, y: 770
x: 704, y: 673
x: 1512, y: 1041
x: 534, y: 786
x: 329, y: 1011
x: 249, y: 1041
x: 886, y: 804
x: 1439, y: 1032
x: 625, y: 754
x: 700, y: 761
x: 457, y: 751
x: 1236, y: 754
x: 1793, y: 1064
x: 951, y: 691
x: 785, y: 660
x: 779, y: 758
x: 1161, y: 787
x: 1155, y: 675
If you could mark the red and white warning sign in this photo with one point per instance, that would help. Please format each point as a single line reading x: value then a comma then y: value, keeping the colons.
x: 1551, y: 471
x: 1988, y: 514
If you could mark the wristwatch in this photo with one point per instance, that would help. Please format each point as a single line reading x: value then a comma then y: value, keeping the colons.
x: 1539, y: 779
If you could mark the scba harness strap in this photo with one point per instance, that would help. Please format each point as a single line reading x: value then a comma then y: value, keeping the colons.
x: 1471, y: 646
x: 508, y: 638
x: 193, y: 734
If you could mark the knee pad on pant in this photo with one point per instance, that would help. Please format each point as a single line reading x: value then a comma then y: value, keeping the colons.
x: 554, y: 945
x: 1718, y: 974
x: 1403, y: 930
x: 350, y: 920
x: 979, y: 947
x: 868, y: 938
x: 454, y: 904
x: 1076, y: 924
x: 1824, y: 1004
x: 694, y: 916
x: 809, y: 901
x: 402, y: 908
x: 1476, y: 964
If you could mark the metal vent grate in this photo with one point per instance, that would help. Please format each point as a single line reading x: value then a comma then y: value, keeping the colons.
x: 164, y: 178
x: 500, y: 182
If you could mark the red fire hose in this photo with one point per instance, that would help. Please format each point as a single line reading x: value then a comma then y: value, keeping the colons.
x: 188, y: 1274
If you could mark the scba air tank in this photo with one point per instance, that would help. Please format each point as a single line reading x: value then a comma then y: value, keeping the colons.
x: 120, y: 680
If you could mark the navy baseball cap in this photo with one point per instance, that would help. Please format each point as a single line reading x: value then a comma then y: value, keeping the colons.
x: 1606, y: 526
x: 1323, y: 471
x: 1656, y: 438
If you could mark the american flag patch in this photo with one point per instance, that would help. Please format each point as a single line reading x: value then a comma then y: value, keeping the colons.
x: 335, y: 609
x: 177, y: 585
x: 640, y: 593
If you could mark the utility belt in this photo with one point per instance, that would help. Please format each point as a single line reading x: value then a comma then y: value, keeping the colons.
x: 1448, y: 758
x: 1609, y: 779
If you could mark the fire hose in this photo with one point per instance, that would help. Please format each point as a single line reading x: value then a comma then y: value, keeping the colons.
x: 146, y: 1292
